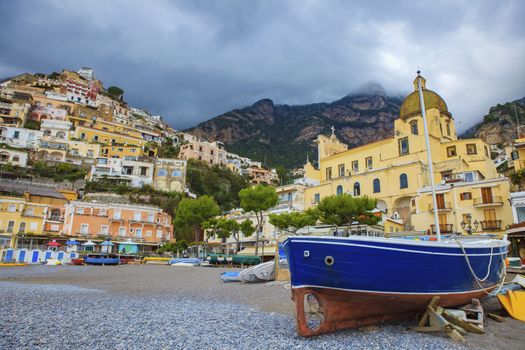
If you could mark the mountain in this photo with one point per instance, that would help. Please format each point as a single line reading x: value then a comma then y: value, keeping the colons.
x: 284, y: 135
x: 499, y: 126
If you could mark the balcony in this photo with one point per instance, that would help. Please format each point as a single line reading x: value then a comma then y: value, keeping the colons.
x: 443, y: 228
x: 488, y: 202
x: 444, y: 206
x: 491, y: 225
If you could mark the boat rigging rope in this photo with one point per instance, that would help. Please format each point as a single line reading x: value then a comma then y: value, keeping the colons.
x: 476, y: 278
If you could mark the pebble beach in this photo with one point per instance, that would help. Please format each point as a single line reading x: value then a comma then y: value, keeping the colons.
x: 164, y: 307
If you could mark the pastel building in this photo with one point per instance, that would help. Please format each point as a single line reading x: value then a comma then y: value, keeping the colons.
x: 395, y: 171
x: 20, y: 137
x: 54, y: 143
x: 147, y: 226
x: 135, y: 171
x: 13, y: 156
x: 211, y: 153
x: 170, y: 175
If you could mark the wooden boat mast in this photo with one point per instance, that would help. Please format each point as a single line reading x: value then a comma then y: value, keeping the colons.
x: 429, y: 155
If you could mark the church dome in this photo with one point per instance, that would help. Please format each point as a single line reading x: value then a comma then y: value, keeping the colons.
x: 411, y: 106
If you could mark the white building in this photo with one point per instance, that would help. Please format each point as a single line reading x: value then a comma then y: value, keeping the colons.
x: 20, y: 137
x: 132, y: 170
x: 86, y: 73
x: 14, y: 157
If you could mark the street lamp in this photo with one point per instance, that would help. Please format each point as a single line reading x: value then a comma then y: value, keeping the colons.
x: 469, y: 226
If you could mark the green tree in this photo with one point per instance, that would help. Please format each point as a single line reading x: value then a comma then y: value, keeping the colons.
x: 258, y: 199
x: 345, y: 209
x: 194, y: 212
x: 168, y: 149
x: 293, y: 221
x: 247, y: 229
x: 116, y: 92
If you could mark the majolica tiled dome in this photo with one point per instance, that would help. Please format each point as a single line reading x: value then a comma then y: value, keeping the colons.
x: 411, y: 106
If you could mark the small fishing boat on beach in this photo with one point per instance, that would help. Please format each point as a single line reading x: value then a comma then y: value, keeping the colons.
x: 227, y: 277
x: 101, y: 260
x: 185, y: 262
x: 79, y: 261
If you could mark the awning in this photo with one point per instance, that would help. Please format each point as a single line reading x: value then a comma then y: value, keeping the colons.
x: 53, y: 243
x: 268, y: 251
x: 72, y: 242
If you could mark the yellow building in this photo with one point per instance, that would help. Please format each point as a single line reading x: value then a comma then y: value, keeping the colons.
x: 395, y: 172
x: 30, y: 215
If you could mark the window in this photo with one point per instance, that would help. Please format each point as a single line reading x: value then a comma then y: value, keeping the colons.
x: 448, y: 128
x: 16, y: 135
x: 122, y: 231
x: 369, y: 164
x: 137, y: 216
x: 328, y: 173
x: 82, y: 135
x: 138, y: 233
x: 117, y: 214
x: 355, y: 166
x: 104, y: 229
x: 465, y: 196
x: 33, y: 226
x: 11, y: 208
x: 403, y: 181
x: 84, y: 228
x: 95, y: 138
x: 317, y: 198
x: 22, y: 227
x: 176, y: 173
x: 451, y: 151
x: 30, y: 212
x: 357, y: 189
x: 403, y: 146
x: 377, y: 186
x: 471, y: 148
x: 80, y: 211
x: 469, y: 176
x: 339, y: 190
x: 159, y: 233
x: 16, y: 158
x: 341, y: 168
x: 151, y: 217
x: 54, y: 228
x: 413, y: 127
x: 200, y: 148
x: 10, y: 226
x: 514, y: 155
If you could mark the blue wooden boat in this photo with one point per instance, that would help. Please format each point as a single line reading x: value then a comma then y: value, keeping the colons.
x: 342, y: 283
x: 101, y: 260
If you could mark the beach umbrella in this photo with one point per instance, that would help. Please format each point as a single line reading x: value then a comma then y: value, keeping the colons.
x: 72, y: 242
x: 107, y: 244
x: 53, y: 243
x: 89, y: 244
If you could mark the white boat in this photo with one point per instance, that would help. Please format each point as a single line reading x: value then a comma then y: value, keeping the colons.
x: 53, y: 262
x: 248, y: 275
x: 265, y: 271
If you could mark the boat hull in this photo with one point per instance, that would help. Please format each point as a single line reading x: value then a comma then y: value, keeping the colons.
x: 334, y: 309
x: 102, y: 261
x: 346, y: 283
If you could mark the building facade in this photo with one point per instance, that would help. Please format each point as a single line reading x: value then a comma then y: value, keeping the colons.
x: 395, y: 171
x: 170, y: 175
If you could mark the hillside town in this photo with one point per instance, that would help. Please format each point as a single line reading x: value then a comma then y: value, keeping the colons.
x: 70, y: 118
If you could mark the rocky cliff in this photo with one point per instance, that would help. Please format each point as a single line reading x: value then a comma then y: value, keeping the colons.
x: 499, y: 126
x: 284, y: 135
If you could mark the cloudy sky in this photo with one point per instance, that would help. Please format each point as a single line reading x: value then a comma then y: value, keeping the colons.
x: 192, y: 60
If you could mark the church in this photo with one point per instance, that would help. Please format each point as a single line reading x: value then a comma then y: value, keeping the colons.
x: 471, y: 196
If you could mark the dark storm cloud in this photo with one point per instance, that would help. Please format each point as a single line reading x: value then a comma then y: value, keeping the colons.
x: 192, y: 60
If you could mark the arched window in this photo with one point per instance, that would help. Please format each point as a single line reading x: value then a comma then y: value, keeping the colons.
x: 357, y: 189
x: 339, y: 190
x: 413, y: 127
x: 22, y: 227
x: 403, y: 181
x: 377, y: 186
x: 162, y: 172
x: 176, y: 173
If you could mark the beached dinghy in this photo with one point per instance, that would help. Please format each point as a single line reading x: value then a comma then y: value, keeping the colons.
x: 265, y: 271
x: 350, y: 282
x: 185, y: 262
x: 248, y: 275
x: 230, y: 277
x: 101, y: 260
